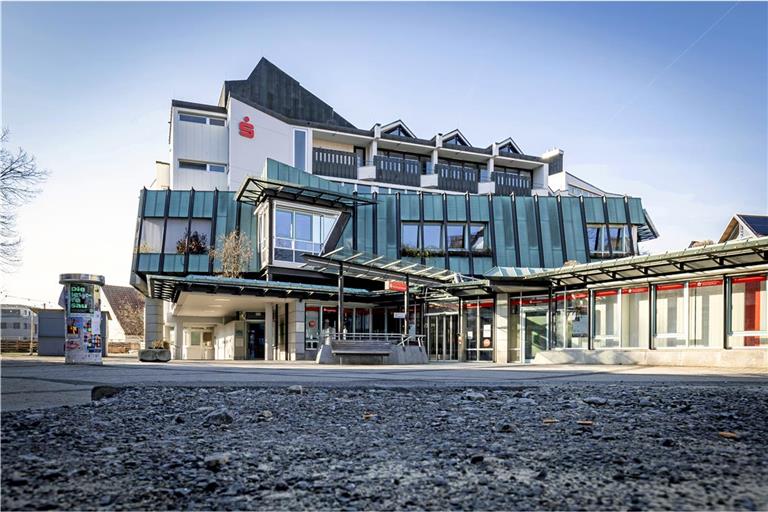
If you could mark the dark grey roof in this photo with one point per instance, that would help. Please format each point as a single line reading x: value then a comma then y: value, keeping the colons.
x: 757, y: 223
x: 272, y: 88
x: 198, y: 106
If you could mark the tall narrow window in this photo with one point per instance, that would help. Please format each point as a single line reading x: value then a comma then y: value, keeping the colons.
x: 433, y: 237
x: 634, y: 317
x: 705, y: 313
x: 409, y: 236
x: 607, y: 319
x: 749, y: 312
x: 670, y: 315
x: 477, y: 237
x: 300, y: 149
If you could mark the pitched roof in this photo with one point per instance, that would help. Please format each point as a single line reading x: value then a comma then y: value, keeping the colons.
x: 273, y: 88
x: 757, y: 224
x: 128, y: 306
x: 394, y: 125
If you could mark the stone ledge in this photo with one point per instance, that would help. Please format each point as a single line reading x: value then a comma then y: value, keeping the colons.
x: 718, y: 358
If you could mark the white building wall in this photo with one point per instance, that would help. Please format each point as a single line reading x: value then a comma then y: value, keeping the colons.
x: 224, y: 341
x: 199, y: 143
x: 272, y: 139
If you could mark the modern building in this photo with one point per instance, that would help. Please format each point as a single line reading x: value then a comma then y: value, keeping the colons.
x: 504, y: 256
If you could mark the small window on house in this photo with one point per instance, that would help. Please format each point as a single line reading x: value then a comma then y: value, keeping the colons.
x: 217, y: 168
x: 216, y: 121
x: 197, y: 166
x: 17, y: 325
x: 193, y: 119
x: 300, y: 149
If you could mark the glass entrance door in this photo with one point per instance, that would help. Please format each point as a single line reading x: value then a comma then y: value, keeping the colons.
x: 442, y: 337
x: 534, y: 322
x: 256, y: 341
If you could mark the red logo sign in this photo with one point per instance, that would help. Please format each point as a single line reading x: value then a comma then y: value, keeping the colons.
x: 246, y: 128
x: 395, y: 286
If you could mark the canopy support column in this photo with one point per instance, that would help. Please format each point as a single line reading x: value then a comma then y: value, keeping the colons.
x: 340, y: 308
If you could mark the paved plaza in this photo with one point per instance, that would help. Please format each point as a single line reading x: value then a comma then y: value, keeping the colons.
x: 37, y: 382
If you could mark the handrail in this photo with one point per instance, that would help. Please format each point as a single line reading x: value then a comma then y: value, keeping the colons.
x: 376, y: 337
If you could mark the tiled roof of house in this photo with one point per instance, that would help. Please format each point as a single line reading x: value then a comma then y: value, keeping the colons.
x: 128, y: 306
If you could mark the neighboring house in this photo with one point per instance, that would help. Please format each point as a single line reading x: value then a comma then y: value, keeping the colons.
x: 744, y: 227
x: 18, y: 328
x: 125, y: 307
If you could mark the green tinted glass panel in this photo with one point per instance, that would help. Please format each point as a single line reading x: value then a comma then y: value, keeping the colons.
x: 203, y: 205
x: 387, y: 225
x: 593, y: 209
x: 154, y: 203
x: 365, y: 228
x: 573, y: 226
x: 248, y: 230
x: 636, y: 215
x: 173, y: 263
x: 616, y: 212
x: 478, y: 208
x: 179, y: 205
x: 527, y: 233
x: 459, y: 264
x: 457, y: 207
x: 198, y: 263
x: 504, y: 227
x: 409, y: 207
x: 438, y: 262
x: 482, y: 265
x: 433, y: 207
x: 149, y: 262
x: 550, y: 232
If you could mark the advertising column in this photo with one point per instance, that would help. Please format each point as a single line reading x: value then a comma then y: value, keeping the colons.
x: 82, y: 307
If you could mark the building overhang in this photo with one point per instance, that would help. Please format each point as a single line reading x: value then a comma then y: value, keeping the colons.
x: 257, y: 190
x: 737, y: 254
x: 379, y: 268
x: 169, y: 288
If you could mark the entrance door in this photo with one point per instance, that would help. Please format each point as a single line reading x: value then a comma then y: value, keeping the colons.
x: 442, y: 337
x: 256, y: 341
x: 534, y: 322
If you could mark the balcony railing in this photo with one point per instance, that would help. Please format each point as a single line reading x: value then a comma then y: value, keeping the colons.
x: 333, y: 163
x: 508, y: 183
x: 398, y: 171
x: 455, y: 178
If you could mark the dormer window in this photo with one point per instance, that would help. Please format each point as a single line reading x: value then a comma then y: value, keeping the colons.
x: 397, y: 129
x: 508, y: 147
x: 456, y: 138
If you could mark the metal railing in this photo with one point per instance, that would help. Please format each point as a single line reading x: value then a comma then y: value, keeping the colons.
x: 376, y: 337
x: 454, y: 177
x: 398, y: 171
x: 333, y: 163
x: 508, y: 183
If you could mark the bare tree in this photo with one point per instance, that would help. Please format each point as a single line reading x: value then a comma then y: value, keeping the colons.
x: 234, y: 251
x: 20, y: 178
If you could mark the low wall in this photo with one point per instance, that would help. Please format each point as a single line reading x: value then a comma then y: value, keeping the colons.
x: 733, y: 358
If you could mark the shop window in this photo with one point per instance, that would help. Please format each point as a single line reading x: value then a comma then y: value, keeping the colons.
x: 705, y: 313
x: 670, y: 316
x: 312, y: 329
x: 635, y: 308
x: 607, y: 319
x: 571, y: 322
x: 749, y: 312
x: 478, y: 329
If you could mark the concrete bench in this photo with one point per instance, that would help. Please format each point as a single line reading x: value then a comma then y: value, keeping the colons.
x: 361, y: 348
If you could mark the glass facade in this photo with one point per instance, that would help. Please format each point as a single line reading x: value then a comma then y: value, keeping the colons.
x: 571, y: 320
x: 635, y: 317
x: 749, y: 312
x: 298, y: 232
x: 671, y: 317
x: 477, y: 321
x: 607, y: 319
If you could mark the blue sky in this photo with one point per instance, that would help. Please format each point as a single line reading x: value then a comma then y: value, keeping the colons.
x: 663, y: 101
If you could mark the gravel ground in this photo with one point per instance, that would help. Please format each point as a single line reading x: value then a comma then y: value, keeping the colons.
x: 551, y: 447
